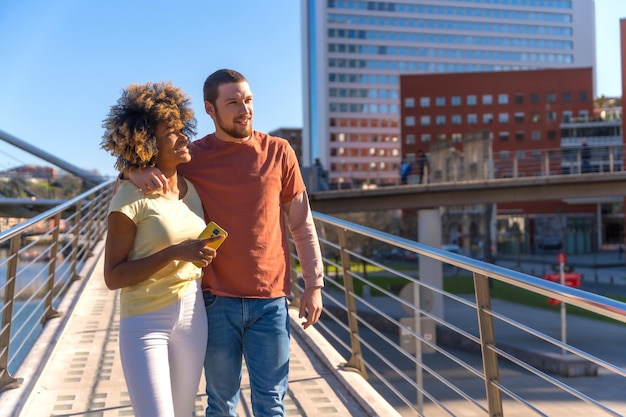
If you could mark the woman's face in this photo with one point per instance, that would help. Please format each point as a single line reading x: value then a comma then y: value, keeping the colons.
x: 173, y: 147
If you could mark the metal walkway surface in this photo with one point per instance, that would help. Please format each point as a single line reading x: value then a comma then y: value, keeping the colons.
x: 83, y: 376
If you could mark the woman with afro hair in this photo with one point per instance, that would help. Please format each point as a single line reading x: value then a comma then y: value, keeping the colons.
x: 151, y: 248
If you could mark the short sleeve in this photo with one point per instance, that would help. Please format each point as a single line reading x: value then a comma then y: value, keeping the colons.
x: 292, y: 182
x: 127, y: 201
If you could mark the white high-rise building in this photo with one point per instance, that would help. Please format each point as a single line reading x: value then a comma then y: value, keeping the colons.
x: 354, y: 52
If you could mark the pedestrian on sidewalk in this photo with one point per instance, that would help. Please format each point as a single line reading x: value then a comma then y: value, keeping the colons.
x: 150, y: 249
x: 585, y: 157
x: 405, y: 171
x: 422, y: 166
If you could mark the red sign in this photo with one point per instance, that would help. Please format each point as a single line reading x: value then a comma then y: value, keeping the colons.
x: 561, y: 258
x: 572, y: 279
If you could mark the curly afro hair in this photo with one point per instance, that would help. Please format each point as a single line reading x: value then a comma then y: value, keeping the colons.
x: 131, y: 123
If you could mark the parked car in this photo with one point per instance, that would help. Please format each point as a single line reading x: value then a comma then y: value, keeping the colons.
x: 454, y: 249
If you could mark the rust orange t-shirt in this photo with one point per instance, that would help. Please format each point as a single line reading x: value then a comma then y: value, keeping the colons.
x: 243, y: 187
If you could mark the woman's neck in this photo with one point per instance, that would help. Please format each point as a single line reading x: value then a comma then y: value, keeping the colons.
x: 173, y: 184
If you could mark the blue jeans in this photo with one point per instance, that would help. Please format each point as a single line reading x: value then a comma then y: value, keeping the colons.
x: 256, y: 329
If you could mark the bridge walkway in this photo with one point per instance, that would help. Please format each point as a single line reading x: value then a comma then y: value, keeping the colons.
x: 83, y: 376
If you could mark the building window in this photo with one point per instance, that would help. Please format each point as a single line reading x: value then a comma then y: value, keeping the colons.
x: 535, y: 117
x: 503, y: 136
x: 440, y: 120
x: 519, y: 98
x: 457, y: 138
x: 440, y: 101
x: 551, y: 116
x: 566, y: 97
x: 471, y: 100
x: 519, y: 136
x: 535, y: 135
x: 409, y: 102
x: 551, y: 134
x: 487, y: 118
x: 503, y: 99
x: 503, y: 117
x: 583, y: 115
x: 424, y: 101
x: 425, y: 121
x: 534, y: 98
x: 409, y: 121
x: 409, y: 139
x: 472, y: 119
x: 425, y: 137
x: 455, y: 100
x: 487, y: 99
x: 519, y: 117
x: 567, y: 116
x: 551, y: 97
x: 582, y: 96
x: 456, y: 119
x: 441, y: 136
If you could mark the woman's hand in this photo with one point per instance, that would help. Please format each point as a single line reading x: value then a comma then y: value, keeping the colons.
x: 198, y: 251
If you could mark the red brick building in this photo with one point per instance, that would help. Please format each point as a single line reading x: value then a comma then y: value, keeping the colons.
x: 522, y: 109
x: 525, y: 119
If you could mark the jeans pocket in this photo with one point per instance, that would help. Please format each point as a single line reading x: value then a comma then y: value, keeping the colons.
x: 209, y: 299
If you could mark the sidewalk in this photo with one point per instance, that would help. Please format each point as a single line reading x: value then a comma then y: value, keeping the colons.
x: 601, y: 259
x: 83, y: 376
x: 602, y: 273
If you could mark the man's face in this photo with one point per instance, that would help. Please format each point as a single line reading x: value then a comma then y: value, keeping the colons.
x: 232, y: 113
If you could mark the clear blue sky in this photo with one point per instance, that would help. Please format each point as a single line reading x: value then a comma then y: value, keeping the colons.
x: 64, y: 62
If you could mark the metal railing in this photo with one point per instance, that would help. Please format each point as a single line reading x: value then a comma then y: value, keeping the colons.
x: 41, y: 259
x: 381, y: 315
x: 467, y: 165
x: 528, y: 163
x: 477, y: 358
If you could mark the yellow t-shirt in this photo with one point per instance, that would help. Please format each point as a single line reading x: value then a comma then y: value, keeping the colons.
x: 160, y: 223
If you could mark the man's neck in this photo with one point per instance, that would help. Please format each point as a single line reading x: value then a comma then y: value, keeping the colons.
x: 230, y: 138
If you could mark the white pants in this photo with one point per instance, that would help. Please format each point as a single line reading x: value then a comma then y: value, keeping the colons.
x: 162, y: 354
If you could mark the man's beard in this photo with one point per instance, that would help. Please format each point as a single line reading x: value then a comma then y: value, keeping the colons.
x: 233, y: 131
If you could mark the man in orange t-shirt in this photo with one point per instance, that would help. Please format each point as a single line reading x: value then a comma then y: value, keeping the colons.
x: 249, y: 182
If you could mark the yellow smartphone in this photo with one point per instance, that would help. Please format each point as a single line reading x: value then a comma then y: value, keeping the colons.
x: 212, y: 229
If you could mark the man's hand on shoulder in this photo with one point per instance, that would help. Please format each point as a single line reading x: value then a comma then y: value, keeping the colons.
x: 149, y: 180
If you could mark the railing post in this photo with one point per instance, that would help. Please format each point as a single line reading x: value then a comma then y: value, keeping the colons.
x: 49, y: 311
x: 88, y: 240
x: 487, y: 340
x: 75, y: 235
x: 356, y: 360
x: 6, y: 380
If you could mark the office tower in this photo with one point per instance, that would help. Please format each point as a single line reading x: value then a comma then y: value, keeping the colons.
x: 355, y: 51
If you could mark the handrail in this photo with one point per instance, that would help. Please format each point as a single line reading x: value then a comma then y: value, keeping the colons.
x: 44, y: 257
x: 390, y: 336
x: 397, y: 352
